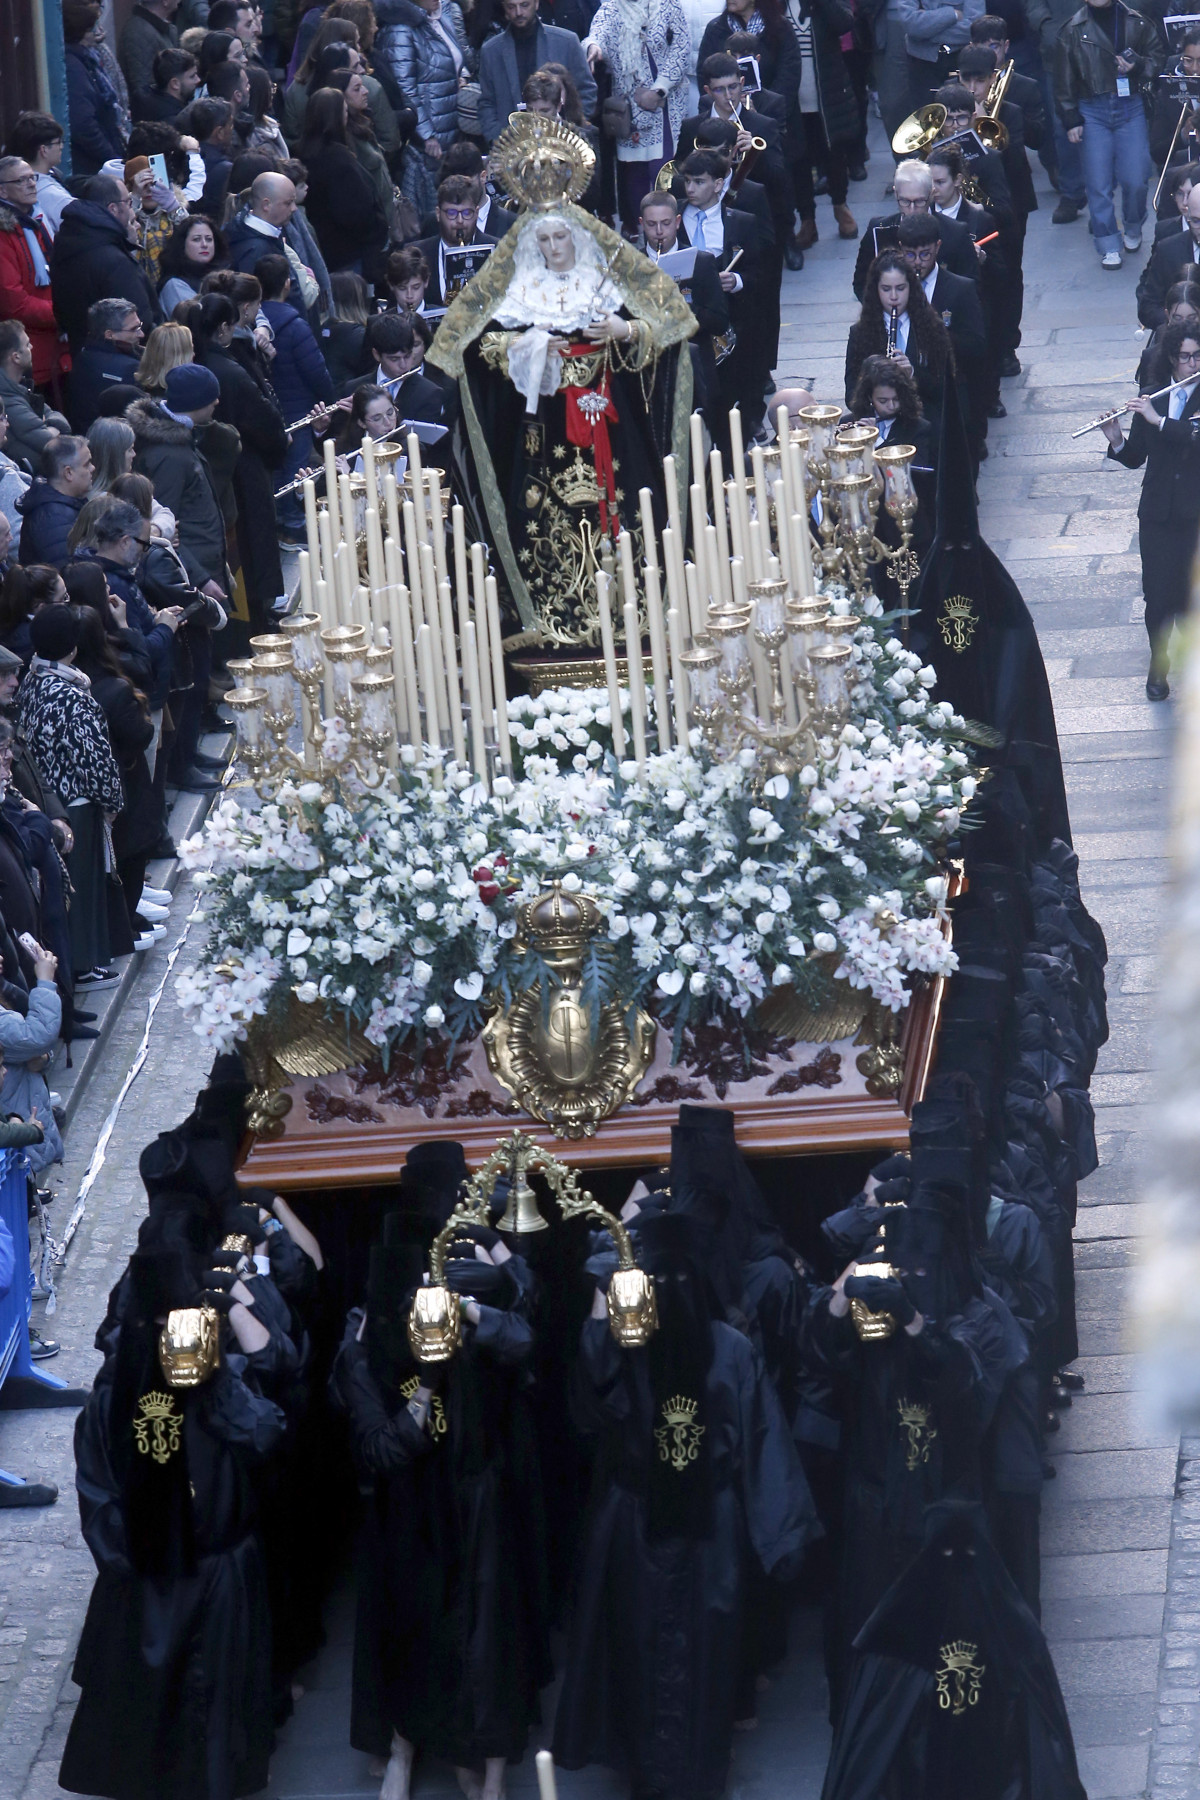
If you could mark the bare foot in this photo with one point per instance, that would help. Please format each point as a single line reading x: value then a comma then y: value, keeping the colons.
x: 398, y: 1774
x: 493, y: 1783
x: 470, y: 1784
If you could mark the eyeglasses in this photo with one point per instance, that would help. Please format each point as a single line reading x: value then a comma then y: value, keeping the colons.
x: 459, y: 212
x: 20, y: 181
x: 1188, y: 356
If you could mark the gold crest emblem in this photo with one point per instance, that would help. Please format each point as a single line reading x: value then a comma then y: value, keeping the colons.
x: 157, y: 1426
x: 678, y: 1437
x: 437, y: 1412
x: 914, y: 1421
x: 959, y: 1677
x: 958, y: 623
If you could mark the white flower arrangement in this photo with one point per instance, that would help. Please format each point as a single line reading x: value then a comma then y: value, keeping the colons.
x: 397, y: 907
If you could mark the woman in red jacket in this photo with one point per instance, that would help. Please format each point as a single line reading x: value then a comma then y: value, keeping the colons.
x: 25, y: 271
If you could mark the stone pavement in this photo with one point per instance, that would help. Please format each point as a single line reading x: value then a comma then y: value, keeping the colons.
x: 1121, y: 1584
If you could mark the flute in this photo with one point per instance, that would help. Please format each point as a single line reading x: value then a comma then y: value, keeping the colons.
x: 325, y: 407
x: 314, y: 474
x: 1106, y: 418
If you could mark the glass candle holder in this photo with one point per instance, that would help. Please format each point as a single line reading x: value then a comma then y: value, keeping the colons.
x: 374, y: 694
x: 830, y: 666
x: 337, y: 637
x: 729, y: 640
x: 378, y: 662
x: 242, y: 670
x: 302, y: 633
x: 246, y: 704
x: 894, y: 461
x: 861, y: 441
x: 820, y: 422
x: 271, y: 643
x: 853, y: 496
x: 702, y: 665
x: 345, y: 663
x: 770, y: 602
x: 276, y: 673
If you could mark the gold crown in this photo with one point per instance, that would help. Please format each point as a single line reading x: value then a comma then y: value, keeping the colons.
x: 959, y: 607
x: 577, y: 485
x: 541, y: 162
x: 558, y: 923
x: 157, y: 1406
x: 678, y: 1410
x: 960, y: 1654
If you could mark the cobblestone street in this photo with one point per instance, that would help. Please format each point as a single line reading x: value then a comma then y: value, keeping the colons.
x: 1121, y: 1522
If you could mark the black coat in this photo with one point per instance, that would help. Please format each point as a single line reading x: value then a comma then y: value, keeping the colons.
x: 346, y: 355
x: 1025, y: 93
x: 957, y: 253
x: 1163, y: 122
x: 95, y: 122
x: 93, y: 369
x: 140, y: 822
x: 46, y: 521
x: 1171, y: 262
x: 167, y: 452
x: 434, y: 293
x: 956, y: 302
x: 343, y: 209
x: 92, y: 259
x: 1171, y: 457
x: 258, y: 422
x: 415, y: 395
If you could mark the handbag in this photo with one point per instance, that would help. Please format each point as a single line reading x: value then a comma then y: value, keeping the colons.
x: 469, y: 96
x: 616, y: 116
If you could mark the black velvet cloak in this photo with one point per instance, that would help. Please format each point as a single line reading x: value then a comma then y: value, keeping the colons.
x: 653, y: 1657
x: 953, y: 1695
x: 176, y: 1671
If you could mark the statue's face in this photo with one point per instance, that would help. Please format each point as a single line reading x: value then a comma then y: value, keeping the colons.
x: 556, y: 245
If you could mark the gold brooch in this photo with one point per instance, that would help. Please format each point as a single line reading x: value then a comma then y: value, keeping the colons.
x: 157, y: 1425
x: 959, y: 1677
x: 678, y: 1437
x: 914, y: 1419
x: 958, y: 623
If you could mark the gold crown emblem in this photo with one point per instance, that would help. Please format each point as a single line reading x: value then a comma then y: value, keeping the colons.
x: 157, y: 1406
x: 959, y: 607
x: 577, y: 485
x: 157, y: 1425
x: 541, y: 162
x: 959, y: 1677
x: 678, y: 1410
x: 558, y: 924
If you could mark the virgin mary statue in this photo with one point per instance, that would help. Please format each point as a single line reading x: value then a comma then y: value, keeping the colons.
x: 569, y: 351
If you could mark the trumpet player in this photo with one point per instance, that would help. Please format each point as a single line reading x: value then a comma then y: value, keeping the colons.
x: 1164, y: 438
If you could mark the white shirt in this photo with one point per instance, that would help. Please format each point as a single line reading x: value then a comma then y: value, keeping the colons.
x: 263, y: 225
x: 949, y: 212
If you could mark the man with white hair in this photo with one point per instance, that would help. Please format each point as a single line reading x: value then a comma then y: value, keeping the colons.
x: 914, y: 194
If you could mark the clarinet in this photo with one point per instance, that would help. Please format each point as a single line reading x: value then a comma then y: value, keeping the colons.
x: 893, y: 323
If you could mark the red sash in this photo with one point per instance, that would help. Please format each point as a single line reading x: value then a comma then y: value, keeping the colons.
x: 589, y: 410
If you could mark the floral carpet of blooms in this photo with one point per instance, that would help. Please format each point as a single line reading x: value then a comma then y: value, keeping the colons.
x: 395, y: 908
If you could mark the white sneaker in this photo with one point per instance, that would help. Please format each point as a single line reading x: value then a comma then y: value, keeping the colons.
x: 1111, y: 259
x: 145, y: 942
x: 1132, y: 240
x: 152, y: 913
x: 157, y: 896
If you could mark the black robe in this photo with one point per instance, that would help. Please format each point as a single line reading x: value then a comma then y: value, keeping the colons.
x: 176, y: 1671
x: 953, y: 1695
x: 654, y: 1647
x: 449, y: 1639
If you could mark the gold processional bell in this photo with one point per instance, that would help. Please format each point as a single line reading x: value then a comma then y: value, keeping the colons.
x: 435, y: 1322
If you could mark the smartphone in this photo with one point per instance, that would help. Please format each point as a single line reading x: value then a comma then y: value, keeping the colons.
x: 158, y: 168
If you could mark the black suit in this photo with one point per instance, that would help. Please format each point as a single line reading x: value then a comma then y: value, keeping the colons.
x: 1163, y: 120
x: 957, y: 253
x: 429, y: 248
x: 710, y: 304
x: 770, y: 166
x: 1168, y: 511
x: 957, y: 303
x: 1170, y: 263
x: 741, y: 378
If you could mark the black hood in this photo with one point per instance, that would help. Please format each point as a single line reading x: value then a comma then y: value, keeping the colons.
x: 929, y: 1241
x: 432, y: 1179
x: 394, y: 1276
x: 86, y: 227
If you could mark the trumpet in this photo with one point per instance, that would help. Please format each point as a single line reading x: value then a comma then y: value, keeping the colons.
x: 1107, y: 418
x: 893, y: 325
x: 989, y: 127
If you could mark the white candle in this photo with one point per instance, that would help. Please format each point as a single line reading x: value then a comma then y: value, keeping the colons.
x: 637, y: 685
x: 720, y: 512
x: 408, y: 663
x: 703, y: 576
x: 437, y: 523
x: 459, y: 535
x: 368, y: 463
x: 362, y: 611
x: 412, y: 558
x: 802, y: 565
x: 306, y: 582
x: 391, y: 501
x: 417, y: 478
x: 391, y: 598
x: 712, y: 555
x: 547, y: 1789
x: 471, y: 665
x: 762, y: 510
x: 503, y: 741
x: 310, y: 527
x: 695, y: 603
x: 483, y: 634
x: 675, y: 644
x: 453, y: 685
x: 696, y: 430
x: 331, y: 488
x: 433, y: 620
x: 425, y: 642
x: 610, y: 664
x: 783, y: 434
x: 783, y: 533
x: 658, y: 655
x: 758, y: 550
x: 375, y: 577
x: 676, y: 592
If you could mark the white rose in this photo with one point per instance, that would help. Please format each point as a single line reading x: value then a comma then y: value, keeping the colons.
x: 434, y: 1016
x: 829, y: 909
x: 764, y: 922
x: 781, y: 975
x: 824, y: 943
x: 308, y: 991
x: 423, y: 880
x: 698, y: 982
x: 309, y: 791
x: 577, y: 852
x: 422, y: 974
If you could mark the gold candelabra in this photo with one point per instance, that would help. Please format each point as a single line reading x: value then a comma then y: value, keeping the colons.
x: 851, y: 474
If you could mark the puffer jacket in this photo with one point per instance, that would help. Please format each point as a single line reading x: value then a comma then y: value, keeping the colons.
x: 1085, y: 64
x: 21, y: 298
x: 167, y: 452
x: 298, y: 374
x: 422, y: 65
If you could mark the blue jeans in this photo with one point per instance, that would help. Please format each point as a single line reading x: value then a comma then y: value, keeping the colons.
x: 1115, y: 148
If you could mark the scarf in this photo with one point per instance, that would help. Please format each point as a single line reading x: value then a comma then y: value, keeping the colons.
x: 633, y: 22
x: 29, y: 223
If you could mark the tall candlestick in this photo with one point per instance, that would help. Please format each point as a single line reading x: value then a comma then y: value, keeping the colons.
x: 610, y: 664
x: 483, y: 633
x: 433, y: 620
x: 453, y: 688
x: 675, y: 645
x: 391, y: 596
x: 696, y: 431
x: 331, y: 489
x: 311, y: 531
x: 762, y: 511
x: 433, y: 730
x: 658, y: 654
x: 306, y: 582
x: 637, y: 684
x: 416, y: 474
x: 547, y: 1789
x: 496, y: 645
x: 391, y: 501
x: 408, y: 664
x: 412, y: 558
x: 471, y: 666
x: 437, y: 522
x: 720, y: 515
